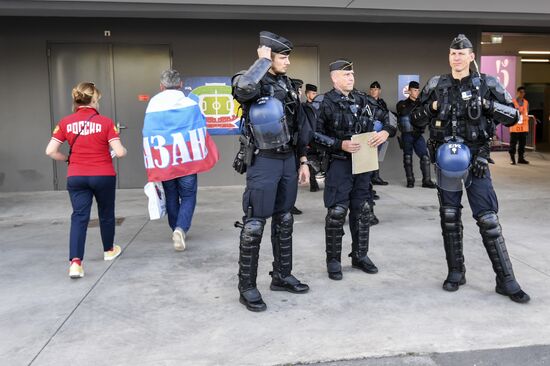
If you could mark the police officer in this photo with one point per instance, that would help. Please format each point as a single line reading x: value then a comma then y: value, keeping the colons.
x: 343, y: 113
x: 461, y: 109
x: 313, y: 154
x: 311, y: 93
x: 377, y: 102
x: 412, y: 139
x: 272, y: 122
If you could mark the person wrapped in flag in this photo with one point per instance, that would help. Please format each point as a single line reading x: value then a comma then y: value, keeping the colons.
x: 176, y: 147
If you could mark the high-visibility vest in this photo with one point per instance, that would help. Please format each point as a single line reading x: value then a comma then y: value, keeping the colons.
x: 523, y: 123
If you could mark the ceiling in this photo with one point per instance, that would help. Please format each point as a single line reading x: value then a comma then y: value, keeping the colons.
x: 514, y: 42
x: 527, y: 13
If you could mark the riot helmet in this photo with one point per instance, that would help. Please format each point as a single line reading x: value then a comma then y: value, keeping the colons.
x: 268, y: 121
x: 452, y: 165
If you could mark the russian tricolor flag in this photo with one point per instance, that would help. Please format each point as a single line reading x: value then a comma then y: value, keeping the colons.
x: 175, y: 139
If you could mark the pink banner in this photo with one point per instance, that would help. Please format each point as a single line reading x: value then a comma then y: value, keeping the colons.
x: 504, y: 69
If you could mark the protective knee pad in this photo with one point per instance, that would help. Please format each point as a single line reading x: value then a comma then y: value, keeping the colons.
x: 450, y: 219
x: 336, y: 216
x: 489, y: 225
x: 252, y: 231
x: 407, y: 160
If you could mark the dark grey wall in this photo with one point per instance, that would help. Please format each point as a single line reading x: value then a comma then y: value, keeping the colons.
x: 200, y: 48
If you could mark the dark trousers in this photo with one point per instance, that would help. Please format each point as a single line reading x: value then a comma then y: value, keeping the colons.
x: 82, y: 190
x: 271, y: 186
x: 414, y: 142
x: 481, y: 196
x: 181, y: 199
x: 520, y: 139
x: 344, y: 188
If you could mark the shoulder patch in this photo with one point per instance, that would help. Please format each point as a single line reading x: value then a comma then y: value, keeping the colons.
x: 56, y: 129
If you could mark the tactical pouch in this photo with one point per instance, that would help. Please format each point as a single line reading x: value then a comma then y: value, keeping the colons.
x: 245, y: 155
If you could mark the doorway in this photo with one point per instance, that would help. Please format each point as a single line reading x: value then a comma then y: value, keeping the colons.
x: 127, y: 76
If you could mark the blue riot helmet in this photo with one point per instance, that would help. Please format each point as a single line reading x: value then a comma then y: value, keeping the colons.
x: 452, y: 166
x: 268, y: 122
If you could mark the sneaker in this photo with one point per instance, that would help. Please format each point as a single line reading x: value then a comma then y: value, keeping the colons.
x: 112, y: 254
x: 76, y: 270
x: 179, y: 239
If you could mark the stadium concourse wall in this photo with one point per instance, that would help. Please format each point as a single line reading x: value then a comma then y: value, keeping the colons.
x: 199, y: 48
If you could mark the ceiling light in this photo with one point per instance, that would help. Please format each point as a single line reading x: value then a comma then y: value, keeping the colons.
x: 535, y: 60
x: 496, y: 38
x: 534, y: 52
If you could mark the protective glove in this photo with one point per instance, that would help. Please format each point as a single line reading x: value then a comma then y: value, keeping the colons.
x: 480, y: 167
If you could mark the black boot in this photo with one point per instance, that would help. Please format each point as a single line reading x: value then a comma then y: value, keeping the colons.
x: 249, y: 249
x: 512, y: 159
x: 426, y: 172
x: 491, y: 233
x: 407, y: 163
x: 334, y: 230
x: 451, y: 226
x: 521, y: 159
x: 281, y: 240
x: 373, y: 219
x: 359, y: 221
x: 295, y: 211
x: 313, y: 185
x: 376, y: 179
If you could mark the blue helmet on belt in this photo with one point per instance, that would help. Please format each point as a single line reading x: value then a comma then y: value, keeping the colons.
x: 452, y: 165
x: 268, y: 121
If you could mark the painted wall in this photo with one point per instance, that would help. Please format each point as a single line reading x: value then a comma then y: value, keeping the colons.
x: 200, y: 48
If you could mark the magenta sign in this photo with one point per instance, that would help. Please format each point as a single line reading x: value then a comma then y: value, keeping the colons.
x: 504, y: 69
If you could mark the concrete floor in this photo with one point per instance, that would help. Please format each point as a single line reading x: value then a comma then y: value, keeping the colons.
x: 154, y: 306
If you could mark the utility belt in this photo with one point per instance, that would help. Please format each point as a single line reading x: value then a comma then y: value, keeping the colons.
x: 282, y: 152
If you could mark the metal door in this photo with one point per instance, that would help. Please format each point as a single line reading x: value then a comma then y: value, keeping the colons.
x: 137, y: 70
x: 126, y: 75
x: 70, y: 64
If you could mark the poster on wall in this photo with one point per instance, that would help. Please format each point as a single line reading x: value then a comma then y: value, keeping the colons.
x: 504, y: 69
x: 213, y: 95
x: 403, y: 85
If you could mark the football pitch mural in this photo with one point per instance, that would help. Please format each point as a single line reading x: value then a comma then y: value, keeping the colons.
x: 213, y: 94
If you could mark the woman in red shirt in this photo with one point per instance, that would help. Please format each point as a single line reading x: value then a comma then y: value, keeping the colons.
x: 90, y: 172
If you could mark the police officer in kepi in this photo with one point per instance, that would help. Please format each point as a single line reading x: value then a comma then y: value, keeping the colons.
x: 313, y: 155
x: 412, y: 138
x: 380, y: 106
x: 462, y: 109
x: 271, y: 134
x: 344, y: 112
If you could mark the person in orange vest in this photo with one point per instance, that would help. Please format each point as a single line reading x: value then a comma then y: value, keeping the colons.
x: 519, y: 131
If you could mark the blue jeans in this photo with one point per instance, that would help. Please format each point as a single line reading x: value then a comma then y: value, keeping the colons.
x: 181, y: 198
x: 82, y: 190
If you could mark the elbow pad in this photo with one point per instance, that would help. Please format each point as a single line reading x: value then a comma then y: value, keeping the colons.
x: 250, y: 79
x: 504, y: 114
x: 324, y: 140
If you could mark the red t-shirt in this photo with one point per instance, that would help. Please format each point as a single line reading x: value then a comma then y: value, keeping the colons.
x: 90, y: 153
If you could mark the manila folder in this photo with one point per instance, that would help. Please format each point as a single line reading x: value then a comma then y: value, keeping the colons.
x: 366, y: 159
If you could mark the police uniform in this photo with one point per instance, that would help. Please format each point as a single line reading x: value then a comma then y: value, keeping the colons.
x: 311, y: 110
x: 467, y: 110
x: 340, y: 117
x: 412, y: 139
x: 378, y: 104
x: 271, y: 178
